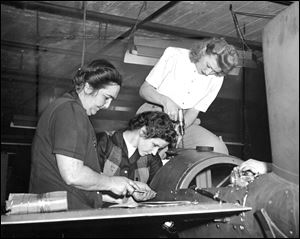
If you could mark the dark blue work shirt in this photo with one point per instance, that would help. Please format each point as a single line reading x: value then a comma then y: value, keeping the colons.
x: 64, y: 128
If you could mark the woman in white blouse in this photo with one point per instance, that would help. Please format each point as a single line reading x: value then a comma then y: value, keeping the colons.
x: 190, y: 80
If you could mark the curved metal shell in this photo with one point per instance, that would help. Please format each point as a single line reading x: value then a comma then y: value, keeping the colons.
x: 184, y: 167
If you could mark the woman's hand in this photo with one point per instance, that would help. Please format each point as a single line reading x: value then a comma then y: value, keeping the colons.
x: 122, y: 185
x: 253, y: 165
x: 143, y: 193
x: 171, y: 108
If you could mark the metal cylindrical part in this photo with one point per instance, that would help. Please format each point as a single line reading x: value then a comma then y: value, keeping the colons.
x: 181, y: 170
x: 181, y: 121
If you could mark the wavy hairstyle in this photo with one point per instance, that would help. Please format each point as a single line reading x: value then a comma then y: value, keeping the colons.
x: 158, y: 125
x: 99, y: 73
x: 227, y: 55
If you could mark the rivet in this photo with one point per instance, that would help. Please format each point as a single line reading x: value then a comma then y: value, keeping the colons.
x: 242, y: 227
x: 218, y: 226
x: 291, y: 232
x: 234, y: 227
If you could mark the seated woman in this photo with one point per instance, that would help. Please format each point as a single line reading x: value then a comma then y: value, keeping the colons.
x: 133, y: 152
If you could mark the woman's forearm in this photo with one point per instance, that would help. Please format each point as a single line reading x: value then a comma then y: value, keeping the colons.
x: 89, y: 180
x: 149, y: 93
x: 80, y: 176
x: 190, y: 116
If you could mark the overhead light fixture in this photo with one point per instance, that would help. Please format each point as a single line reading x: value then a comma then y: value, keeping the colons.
x: 142, y: 52
x: 139, y: 60
x: 136, y: 54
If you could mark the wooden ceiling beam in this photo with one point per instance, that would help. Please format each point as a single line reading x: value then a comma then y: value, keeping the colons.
x: 122, y: 21
x: 18, y: 46
x: 139, y: 25
x: 286, y: 3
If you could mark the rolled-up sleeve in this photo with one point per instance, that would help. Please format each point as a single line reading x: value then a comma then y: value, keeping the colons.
x: 69, y: 131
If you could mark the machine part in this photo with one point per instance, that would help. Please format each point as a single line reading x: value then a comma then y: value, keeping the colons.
x: 169, y: 226
x: 268, y: 226
x: 204, y: 149
x: 210, y: 195
x: 171, y: 153
x: 181, y: 122
x: 189, y: 167
x: 242, y: 178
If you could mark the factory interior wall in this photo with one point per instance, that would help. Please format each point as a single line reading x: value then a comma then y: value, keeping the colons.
x: 281, y: 45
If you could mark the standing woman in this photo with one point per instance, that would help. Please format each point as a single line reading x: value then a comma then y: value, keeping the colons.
x: 190, y: 79
x: 64, y: 155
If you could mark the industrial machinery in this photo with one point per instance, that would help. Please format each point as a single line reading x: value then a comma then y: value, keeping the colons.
x: 274, y: 197
x: 190, y: 167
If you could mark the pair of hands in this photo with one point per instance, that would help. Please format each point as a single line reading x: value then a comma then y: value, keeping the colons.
x: 253, y: 165
x: 125, y: 187
x: 171, y: 108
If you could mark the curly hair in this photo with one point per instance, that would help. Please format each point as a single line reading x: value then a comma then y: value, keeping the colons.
x: 158, y: 125
x: 99, y: 73
x: 227, y: 55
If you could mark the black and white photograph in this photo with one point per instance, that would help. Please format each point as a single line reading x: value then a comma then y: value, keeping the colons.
x: 149, y: 119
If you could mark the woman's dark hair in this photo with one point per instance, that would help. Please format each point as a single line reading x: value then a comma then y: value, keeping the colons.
x: 99, y: 73
x: 158, y: 125
x: 227, y: 55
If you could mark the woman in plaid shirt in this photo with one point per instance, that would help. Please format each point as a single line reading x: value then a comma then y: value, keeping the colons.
x: 133, y: 152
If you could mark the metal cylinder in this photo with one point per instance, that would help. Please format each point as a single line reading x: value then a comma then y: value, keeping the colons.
x: 181, y: 122
x: 188, y: 166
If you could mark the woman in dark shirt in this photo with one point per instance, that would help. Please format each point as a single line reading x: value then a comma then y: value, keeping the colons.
x: 64, y: 155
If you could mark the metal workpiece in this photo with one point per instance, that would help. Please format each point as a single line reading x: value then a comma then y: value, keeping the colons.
x: 181, y: 122
x: 190, y: 166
